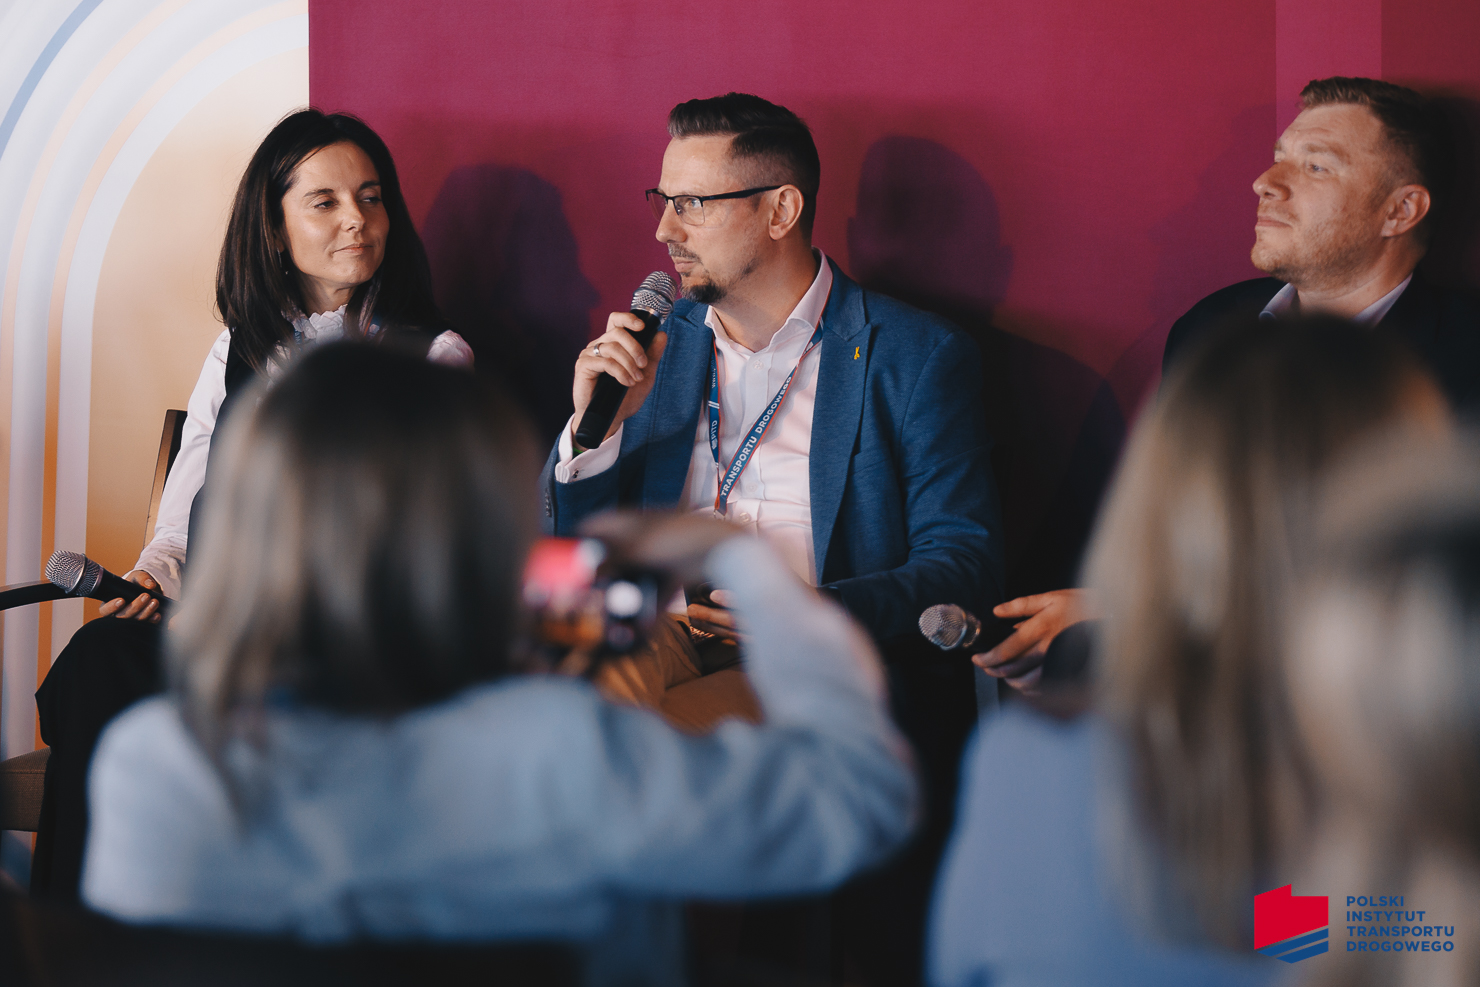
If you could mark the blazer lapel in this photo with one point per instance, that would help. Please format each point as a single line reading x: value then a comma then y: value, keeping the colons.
x: 841, y: 374
x: 678, y: 397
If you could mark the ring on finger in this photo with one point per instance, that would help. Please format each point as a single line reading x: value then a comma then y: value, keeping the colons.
x: 596, y: 350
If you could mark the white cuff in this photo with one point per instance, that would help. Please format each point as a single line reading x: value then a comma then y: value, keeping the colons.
x: 589, y: 463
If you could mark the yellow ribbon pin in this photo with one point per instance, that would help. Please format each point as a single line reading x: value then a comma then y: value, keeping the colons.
x: 855, y: 352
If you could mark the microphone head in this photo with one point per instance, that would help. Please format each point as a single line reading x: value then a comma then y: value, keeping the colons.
x: 947, y: 626
x: 73, y: 573
x: 655, y: 294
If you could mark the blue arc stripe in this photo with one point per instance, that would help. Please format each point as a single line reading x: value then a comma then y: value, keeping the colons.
x: 1306, y: 953
x: 48, y: 55
x: 1283, y: 947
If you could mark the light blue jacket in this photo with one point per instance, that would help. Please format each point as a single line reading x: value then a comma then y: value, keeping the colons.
x: 526, y: 808
x: 1023, y: 898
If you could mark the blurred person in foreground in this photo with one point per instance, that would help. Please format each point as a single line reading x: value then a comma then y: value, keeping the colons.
x: 1345, y: 214
x: 319, y: 246
x: 1385, y: 680
x: 355, y: 744
x: 1139, y: 834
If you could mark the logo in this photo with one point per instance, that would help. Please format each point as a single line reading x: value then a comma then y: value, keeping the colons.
x: 1291, y: 927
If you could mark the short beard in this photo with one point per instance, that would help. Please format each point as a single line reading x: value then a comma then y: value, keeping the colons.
x: 705, y: 292
x: 1328, y: 265
x: 712, y: 292
x: 1328, y: 257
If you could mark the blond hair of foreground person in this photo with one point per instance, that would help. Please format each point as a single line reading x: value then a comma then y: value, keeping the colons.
x: 1125, y: 846
x: 1385, y: 676
x: 353, y: 746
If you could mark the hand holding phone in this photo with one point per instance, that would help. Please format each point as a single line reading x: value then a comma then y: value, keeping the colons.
x: 709, y: 612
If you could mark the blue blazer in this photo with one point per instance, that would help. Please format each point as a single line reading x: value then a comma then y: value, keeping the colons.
x: 904, y: 508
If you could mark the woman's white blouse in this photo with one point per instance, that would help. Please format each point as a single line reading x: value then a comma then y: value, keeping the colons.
x: 164, y: 556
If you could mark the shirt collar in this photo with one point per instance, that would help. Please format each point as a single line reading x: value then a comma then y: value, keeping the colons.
x: 1284, y: 300
x: 310, y: 328
x: 1372, y: 314
x: 804, y: 317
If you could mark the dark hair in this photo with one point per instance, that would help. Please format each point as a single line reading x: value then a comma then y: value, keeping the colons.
x: 772, y: 137
x: 1208, y: 521
x: 366, y: 546
x: 1411, y: 122
x: 254, y: 292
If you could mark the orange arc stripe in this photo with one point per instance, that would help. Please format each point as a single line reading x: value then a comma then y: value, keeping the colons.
x: 99, y: 170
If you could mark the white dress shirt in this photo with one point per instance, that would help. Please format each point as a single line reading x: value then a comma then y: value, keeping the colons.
x: 773, y: 496
x: 164, y: 556
x: 1284, y: 300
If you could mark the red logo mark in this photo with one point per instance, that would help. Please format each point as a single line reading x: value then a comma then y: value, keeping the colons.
x: 1279, y: 915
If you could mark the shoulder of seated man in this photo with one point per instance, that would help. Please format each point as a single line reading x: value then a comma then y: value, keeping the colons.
x: 899, y: 325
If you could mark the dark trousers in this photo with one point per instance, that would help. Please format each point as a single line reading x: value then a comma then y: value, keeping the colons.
x: 107, y: 666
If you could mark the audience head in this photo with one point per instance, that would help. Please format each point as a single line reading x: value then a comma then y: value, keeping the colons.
x: 319, y: 217
x: 725, y: 144
x: 1355, y: 175
x: 1385, y: 654
x: 1194, y: 558
x: 364, y: 544
x: 1384, y: 672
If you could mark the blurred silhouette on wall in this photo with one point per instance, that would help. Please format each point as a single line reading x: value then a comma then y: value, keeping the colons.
x: 927, y: 231
x: 506, y: 270
x: 1202, y: 245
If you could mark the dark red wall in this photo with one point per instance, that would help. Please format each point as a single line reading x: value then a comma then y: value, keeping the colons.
x: 1073, y: 172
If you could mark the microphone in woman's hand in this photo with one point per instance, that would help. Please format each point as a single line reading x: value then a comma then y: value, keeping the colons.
x: 77, y: 575
x: 651, y: 303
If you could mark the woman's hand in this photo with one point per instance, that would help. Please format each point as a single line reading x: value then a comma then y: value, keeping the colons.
x: 141, y: 607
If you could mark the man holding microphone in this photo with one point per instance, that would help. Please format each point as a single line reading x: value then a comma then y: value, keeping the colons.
x: 869, y: 471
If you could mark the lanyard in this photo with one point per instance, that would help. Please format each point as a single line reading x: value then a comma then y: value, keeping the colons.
x: 757, y: 431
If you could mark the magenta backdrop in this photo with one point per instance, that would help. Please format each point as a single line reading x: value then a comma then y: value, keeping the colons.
x: 1077, y: 172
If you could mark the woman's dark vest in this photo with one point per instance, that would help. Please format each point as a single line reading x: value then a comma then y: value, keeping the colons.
x: 239, y: 376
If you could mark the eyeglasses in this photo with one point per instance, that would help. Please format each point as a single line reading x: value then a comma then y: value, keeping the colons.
x: 690, y: 208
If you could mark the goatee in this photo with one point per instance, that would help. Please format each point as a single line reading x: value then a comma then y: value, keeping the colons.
x: 705, y: 292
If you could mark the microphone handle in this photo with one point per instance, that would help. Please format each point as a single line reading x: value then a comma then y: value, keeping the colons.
x: 608, y: 394
x: 111, y: 587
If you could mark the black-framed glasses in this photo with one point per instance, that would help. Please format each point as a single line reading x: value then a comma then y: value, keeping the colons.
x: 690, y: 208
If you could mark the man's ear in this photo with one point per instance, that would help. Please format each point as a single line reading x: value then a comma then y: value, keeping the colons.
x: 1407, y: 206
x: 786, y: 211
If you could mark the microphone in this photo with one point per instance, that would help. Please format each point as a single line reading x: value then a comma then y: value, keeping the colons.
x: 651, y: 303
x: 77, y: 575
x: 947, y: 626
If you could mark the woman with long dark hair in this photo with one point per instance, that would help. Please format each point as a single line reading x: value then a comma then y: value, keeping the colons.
x: 319, y: 246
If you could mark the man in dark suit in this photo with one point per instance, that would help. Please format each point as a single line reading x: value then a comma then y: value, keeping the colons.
x: 872, y: 479
x: 1344, y: 218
